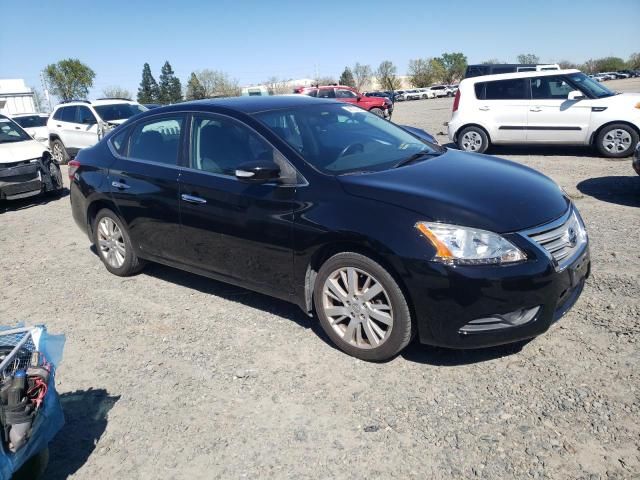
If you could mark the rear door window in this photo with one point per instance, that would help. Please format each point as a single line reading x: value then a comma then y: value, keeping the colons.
x: 157, y: 140
x: 513, y: 89
x: 326, y: 93
x: 69, y: 114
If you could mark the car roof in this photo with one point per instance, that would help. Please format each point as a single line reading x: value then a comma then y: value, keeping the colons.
x: 246, y: 104
x: 101, y: 101
x: 16, y: 115
x: 506, y: 76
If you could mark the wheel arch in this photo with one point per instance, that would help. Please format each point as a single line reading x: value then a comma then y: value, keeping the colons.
x: 92, y: 211
x: 596, y: 132
x: 467, y: 125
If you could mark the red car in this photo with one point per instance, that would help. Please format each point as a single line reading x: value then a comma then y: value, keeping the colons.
x: 381, y: 106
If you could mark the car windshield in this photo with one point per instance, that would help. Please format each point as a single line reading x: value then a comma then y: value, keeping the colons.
x: 10, y: 132
x: 118, y: 111
x: 590, y: 86
x: 341, y: 139
x: 31, y: 121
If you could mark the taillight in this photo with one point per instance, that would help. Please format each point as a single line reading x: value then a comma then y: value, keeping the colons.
x: 73, y: 167
x: 456, y: 101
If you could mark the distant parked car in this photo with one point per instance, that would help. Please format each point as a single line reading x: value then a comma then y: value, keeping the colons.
x: 381, y: 106
x: 401, y: 95
x: 26, y: 165
x: 563, y: 107
x: 441, y: 91
x: 426, y: 93
x: 80, y: 123
x: 413, y: 94
x: 35, y: 124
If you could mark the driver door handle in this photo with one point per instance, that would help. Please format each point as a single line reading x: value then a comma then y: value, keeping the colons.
x: 535, y: 109
x: 193, y: 199
x: 484, y: 109
x: 120, y: 185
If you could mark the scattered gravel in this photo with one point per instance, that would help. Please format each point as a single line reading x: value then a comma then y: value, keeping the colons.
x: 170, y: 375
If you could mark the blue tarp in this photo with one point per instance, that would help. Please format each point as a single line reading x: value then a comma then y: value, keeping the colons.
x: 50, y: 417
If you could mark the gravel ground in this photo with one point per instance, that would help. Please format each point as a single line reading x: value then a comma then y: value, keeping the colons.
x: 169, y: 375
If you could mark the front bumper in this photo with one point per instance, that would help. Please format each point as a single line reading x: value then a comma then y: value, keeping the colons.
x: 454, y: 305
x: 20, y: 180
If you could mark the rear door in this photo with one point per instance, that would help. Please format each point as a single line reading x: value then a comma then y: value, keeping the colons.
x: 86, y: 127
x: 503, y: 106
x: 144, y: 185
x: 552, y: 118
x: 64, y: 124
x: 233, y: 228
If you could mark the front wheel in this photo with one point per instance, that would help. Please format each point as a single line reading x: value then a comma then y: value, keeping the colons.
x: 361, y: 307
x: 58, y: 152
x: 56, y: 177
x: 377, y: 111
x: 112, y: 241
x: 473, y: 139
x: 617, y: 140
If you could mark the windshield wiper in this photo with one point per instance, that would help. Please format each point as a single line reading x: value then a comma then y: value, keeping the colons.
x: 415, y: 157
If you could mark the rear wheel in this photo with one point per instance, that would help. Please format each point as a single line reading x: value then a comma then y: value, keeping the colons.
x: 113, y: 243
x: 58, y: 152
x: 361, y: 307
x: 473, y: 139
x: 377, y: 111
x: 617, y: 140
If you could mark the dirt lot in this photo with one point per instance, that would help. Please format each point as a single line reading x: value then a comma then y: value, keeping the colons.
x: 169, y: 375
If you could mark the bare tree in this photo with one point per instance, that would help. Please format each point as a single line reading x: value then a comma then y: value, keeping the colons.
x: 277, y: 86
x: 386, y: 76
x: 362, y: 76
x: 326, y: 80
x: 116, y: 92
x: 217, y: 83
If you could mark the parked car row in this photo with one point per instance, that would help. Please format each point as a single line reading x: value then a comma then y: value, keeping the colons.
x: 380, y: 105
x: 604, y: 76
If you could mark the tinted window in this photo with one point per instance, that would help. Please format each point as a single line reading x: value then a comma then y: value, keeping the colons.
x: 85, y: 116
x: 476, y: 71
x: 157, y: 140
x: 326, y: 93
x: 550, y: 88
x: 119, y: 141
x: 31, y: 121
x: 69, y: 114
x: 480, y: 90
x: 497, y: 70
x: 118, y: 111
x: 344, y: 93
x: 58, y: 114
x: 513, y: 89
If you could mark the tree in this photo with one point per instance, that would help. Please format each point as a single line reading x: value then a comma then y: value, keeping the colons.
x: 218, y: 84
x: 362, y: 76
x: 326, y: 80
x: 347, y: 78
x: 170, y: 86
x: 454, y: 65
x: 277, y: 86
x: 634, y: 61
x: 492, y: 61
x: 69, y: 79
x: 149, y: 92
x: 528, y: 58
x: 590, y: 66
x: 195, y: 90
x: 566, y: 64
x: 424, y: 72
x: 609, y: 64
x: 116, y: 92
x: 386, y: 76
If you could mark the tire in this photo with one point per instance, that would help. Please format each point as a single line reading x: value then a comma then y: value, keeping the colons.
x: 56, y: 178
x: 612, y: 138
x: 59, y: 152
x: 387, y: 339
x: 117, y: 255
x: 473, y: 139
x: 377, y: 111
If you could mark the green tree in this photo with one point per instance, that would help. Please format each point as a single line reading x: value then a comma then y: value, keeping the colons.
x: 362, y: 76
x: 386, y: 76
x: 528, y: 58
x: 69, y: 79
x: 424, y: 72
x: 195, y: 90
x: 149, y: 92
x: 454, y: 65
x: 347, y: 78
x: 116, y: 92
x: 609, y: 64
x: 634, y: 61
x: 170, y: 86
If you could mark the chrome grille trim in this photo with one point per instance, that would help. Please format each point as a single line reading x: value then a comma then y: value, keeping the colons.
x: 554, y: 238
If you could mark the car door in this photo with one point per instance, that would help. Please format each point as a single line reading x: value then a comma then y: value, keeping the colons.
x: 232, y: 228
x: 346, y: 95
x: 502, y: 107
x: 65, y: 123
x: 552, y: 117
x: 144, y: 185
x: 86, y: 127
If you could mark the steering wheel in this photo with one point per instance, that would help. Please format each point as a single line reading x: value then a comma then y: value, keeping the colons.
x: 351, y: 149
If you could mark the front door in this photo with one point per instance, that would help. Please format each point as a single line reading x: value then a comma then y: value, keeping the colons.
x: 552, y: 118
x: 144, y: 186
x: 230, y: 227
x: 85, y: 128
x: 503, y: 105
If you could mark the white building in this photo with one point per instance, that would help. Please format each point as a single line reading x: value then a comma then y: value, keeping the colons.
x: 16, y: 97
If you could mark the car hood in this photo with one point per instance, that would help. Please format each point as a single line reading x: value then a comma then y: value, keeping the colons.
x: 466, y: 189
x: 19, y: 151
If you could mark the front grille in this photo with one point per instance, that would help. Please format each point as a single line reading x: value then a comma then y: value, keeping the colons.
x: 563, y: 239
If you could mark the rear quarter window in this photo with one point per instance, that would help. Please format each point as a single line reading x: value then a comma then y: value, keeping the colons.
x: 512, y: 89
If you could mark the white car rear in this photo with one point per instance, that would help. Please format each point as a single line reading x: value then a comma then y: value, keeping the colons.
x: 35, y: 124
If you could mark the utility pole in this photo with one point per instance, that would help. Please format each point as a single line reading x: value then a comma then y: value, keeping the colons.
x: 45, y: 90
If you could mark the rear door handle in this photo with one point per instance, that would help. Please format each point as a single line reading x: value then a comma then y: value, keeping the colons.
x: 535, y: 109
x: 484, y: 109
x: 77, y: 128
x: 120, y: 185
x: 193, y: 199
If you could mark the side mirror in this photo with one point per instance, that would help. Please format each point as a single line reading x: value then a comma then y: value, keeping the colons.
x: 575, y: 95
x: 359, y: 97
x: 259, y: 171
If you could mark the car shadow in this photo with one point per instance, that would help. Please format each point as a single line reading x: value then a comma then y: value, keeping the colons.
x: 446, y: 357
x: 85, y: 414
x: 543, y: 151
x: 621, y: 190
x: 24, y: 203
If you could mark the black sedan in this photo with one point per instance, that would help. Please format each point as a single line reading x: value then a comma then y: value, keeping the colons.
x: 381, y: 233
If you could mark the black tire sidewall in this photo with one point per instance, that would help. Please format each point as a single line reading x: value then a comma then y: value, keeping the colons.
x: 401, y: 332
x: 485, y: 139
x: 617, y: 126
x: 130, y: 265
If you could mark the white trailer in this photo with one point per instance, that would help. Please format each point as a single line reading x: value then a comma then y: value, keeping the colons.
x: 16, y: 97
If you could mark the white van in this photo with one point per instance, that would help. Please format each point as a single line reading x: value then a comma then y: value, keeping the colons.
x: 563, y: 107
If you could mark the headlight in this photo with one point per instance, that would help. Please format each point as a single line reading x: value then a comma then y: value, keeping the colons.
x: 456, y: 245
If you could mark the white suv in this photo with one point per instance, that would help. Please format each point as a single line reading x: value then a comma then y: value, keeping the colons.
x: 79, y: 123
x: 563, y: 107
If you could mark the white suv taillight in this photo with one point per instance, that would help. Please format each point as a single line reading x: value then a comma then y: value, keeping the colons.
x: 456, y: 101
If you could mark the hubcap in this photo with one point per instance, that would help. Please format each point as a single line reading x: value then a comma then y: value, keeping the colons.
x: 471, y: 141
x: 111, y: 242
x: 358, y: 307
x: 617, y: 141
x: 57, y: 152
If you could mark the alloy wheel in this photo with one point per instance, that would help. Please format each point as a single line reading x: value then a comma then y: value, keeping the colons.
x: 471, y: 141
x: 57, y: 152
x: 357, y: 307
x: 111, y: 242
x: 617, y: 141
